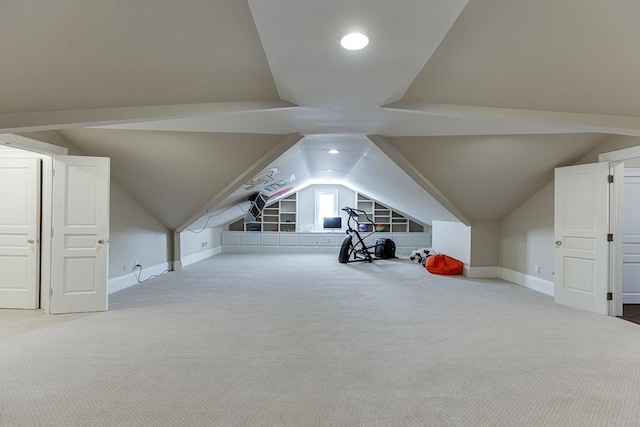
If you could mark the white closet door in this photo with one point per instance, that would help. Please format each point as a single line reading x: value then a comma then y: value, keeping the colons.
x: 80, y: 234
x: 581, y: 226
x: 19, y: 233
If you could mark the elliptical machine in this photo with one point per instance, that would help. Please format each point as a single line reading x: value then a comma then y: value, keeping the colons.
x: 354, y: 248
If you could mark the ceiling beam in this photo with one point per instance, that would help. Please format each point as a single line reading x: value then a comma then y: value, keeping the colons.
x: 53, y: 120
x: 579, y: 122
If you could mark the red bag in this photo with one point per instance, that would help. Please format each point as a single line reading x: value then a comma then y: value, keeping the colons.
x: 443, y: 264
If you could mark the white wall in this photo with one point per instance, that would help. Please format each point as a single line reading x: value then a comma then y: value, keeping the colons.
x: 485, y: 244
x: 526, y: 236
x: 307, y: 201
x: 199, y: 244
x: 134, y: 235
x: 453, y: 239
x: 200, y: 241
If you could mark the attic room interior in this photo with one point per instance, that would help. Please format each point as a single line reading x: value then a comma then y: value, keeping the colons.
x: 136, y: 136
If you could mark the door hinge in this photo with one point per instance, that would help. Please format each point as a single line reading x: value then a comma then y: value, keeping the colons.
x: 50, y: 292
x: 52, y: 232
x: 609, y: 237
x: 609, y: 296
x: 610, y: 179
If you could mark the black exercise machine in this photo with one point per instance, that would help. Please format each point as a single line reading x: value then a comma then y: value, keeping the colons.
x: 353, y: 246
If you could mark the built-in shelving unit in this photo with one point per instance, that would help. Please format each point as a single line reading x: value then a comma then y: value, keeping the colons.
x: 282, y: 216
x: 384, y: 218
x: 278, y: 229
x: 277, y: 216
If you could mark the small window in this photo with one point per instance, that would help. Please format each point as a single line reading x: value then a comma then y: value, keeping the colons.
x: 326, y: 205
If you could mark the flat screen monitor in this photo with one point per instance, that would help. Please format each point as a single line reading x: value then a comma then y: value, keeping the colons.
x: 332, y: 222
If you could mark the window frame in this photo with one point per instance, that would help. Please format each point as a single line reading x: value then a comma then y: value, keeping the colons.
x: 318, y: 220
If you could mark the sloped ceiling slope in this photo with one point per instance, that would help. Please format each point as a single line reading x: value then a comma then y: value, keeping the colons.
x: 360, y: 166
x: 486, y: 177
x: 70, y: 54
x: 560, y: 55
x: 192, y: 80
x: 173, y: 174
x: 377, y: 176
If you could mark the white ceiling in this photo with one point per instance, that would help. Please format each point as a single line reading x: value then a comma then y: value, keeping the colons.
x: 442, y: 84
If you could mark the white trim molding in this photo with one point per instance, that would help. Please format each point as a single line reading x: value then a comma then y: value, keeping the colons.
x: 119, y: 283
x: 24, y: 143
x: 620, y: 155
x: 482, y: 272
x: 537, y: 284
x: 199, y: 256
x: 631, y: 298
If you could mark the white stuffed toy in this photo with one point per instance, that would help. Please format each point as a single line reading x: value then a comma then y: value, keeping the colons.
x: 417, y: 255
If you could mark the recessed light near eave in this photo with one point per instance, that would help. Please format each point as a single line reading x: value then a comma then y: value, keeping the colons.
x: 333, y: 151
x: 354, y: 41
x: 328, y: 170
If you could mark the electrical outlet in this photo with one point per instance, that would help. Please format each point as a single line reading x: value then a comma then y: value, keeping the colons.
x: 537, y: 269
x: 204, y: 244
x: 138, y: 264
x: 125, y: 267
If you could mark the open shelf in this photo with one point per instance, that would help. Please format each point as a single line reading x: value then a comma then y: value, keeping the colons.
x: 384, y: 218
x: 277, y: 216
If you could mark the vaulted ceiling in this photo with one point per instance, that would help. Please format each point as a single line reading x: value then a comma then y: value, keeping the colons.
x: 191, y: 99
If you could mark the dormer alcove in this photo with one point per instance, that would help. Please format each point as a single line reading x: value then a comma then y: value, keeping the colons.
x: 293, y: 221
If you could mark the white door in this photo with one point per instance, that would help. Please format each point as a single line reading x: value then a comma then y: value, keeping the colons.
x: 631, y: 238
x: 80, y: 234
x: 580, y: 230
x: 19, y: 233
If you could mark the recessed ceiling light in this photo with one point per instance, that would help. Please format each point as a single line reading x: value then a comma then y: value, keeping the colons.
x: 329, y: 170
x: 333, y: 151
x: 354, y: 41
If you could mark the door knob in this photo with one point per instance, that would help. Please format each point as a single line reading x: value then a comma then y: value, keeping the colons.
x: 101, y: 242
x: 558, y: 243
x: 31, y: 241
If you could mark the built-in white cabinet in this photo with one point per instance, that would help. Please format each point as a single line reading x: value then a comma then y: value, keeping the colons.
x: 242, y: 242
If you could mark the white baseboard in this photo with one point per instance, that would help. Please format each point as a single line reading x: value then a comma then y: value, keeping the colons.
x: 199, y: 256
x: 631, y: 298
x: 537, y: 284
x: 482, y: 272
x: 119, y: 283
x: 248, y: 249
x: 401, y: 251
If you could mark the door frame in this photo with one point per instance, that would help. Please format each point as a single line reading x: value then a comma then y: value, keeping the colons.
x: 616, y: 207
x: 48, y: 151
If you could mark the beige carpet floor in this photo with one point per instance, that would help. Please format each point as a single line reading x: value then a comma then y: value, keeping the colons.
x: 301, y: 340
